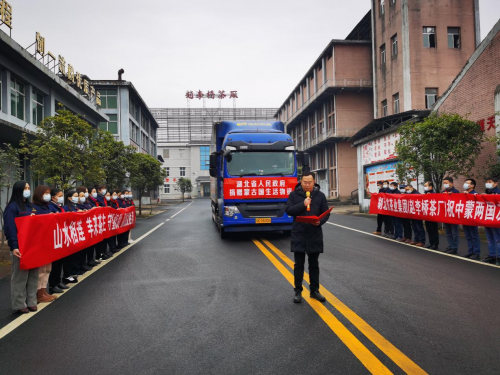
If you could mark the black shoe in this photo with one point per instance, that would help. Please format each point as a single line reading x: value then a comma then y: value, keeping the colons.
x: 104, y: 257
x: 451, y: 251
x: 448, y: 248
x: 318, y: 296
x: 85, y: 268
x: 110, y: 254
x: 433, y: 247
x: 468, y: 255
x: 489, y: 259
x: 298, y: 297
x: 55, y: 290
x: 115, y: 250
x: 475, y: 257
x: 62, y: 286
x: 78, y: 273
x: 70, y: 280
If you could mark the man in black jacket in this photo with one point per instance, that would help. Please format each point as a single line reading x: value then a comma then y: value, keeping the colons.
x: 307, y: 238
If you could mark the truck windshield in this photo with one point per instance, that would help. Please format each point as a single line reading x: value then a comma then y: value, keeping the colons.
x: 261, y: 163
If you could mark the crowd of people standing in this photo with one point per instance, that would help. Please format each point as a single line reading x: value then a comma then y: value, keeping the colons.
x: 42, y: 284
x: 413, y: 231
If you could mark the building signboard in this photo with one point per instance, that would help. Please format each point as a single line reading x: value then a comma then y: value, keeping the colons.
x: 380, y: 149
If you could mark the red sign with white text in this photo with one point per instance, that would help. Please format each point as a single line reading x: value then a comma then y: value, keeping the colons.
x: 259, y: 187
x: 44, y: 239
x: 458, y: 208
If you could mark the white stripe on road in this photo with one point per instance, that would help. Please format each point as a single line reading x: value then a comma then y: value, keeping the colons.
x: 418, y: 247
x: 181, y: 210
x: 4, y: 331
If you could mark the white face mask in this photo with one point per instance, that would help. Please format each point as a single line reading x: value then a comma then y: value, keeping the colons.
x: 114, y: 197
x: 74, y: 200
x: 392, y: 188
x: 26, y: 193
x: 466, y: 186
x: 385, y: 186
x: 426, y: 188
x: 94, y: 195
x: 46, y: 197
x: 108, y: 198
x: 408, y: 191
x: 446, y: 186
x: 103, y: 191
x: 489, y: 185
x: 82, y: 199
x: 86, y: 195
x: 130, y: 196
x: 60, y: 200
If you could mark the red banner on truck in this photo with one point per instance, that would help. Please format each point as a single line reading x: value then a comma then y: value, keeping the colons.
x: 464, y: 209
x: 44, y: 239
x: 259, y: 187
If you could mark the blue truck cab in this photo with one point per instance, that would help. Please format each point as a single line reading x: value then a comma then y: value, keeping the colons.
x: 253, y: 169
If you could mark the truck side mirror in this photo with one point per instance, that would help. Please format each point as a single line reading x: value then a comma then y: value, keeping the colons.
x: 305, y: 160
x: 213, y: 161
x: 213, y: 172
x: 227, y: 155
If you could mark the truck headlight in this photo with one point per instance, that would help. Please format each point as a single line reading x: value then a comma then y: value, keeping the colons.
x: 231, y: 211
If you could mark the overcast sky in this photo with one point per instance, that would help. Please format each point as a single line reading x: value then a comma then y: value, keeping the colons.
x: 261, y: 48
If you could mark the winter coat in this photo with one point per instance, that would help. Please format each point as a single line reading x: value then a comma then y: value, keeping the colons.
x: 307, y: 237
x: 55, y: 207
x: 9, y: 218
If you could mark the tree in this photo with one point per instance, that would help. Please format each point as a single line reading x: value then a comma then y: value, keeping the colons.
x: 112, y: 156
x: 146, y: 173
x: 441, y: 145
x: 10, y: 172
x: 184, y: 186
x: 60, y: 153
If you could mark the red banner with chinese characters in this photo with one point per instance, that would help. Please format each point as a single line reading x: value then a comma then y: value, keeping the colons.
x: 464, y: 209
x: 259, y: 187
x: 44, y: 239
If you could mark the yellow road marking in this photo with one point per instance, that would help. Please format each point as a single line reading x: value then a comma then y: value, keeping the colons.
x: 4, y: 331
x: 405, y: 363
x: 372, y: 363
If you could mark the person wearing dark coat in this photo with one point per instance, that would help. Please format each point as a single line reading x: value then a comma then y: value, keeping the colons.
x: 417, y: 225
x: 396, y: 221
x: 86, y: 256
x: 452, y: 236
x: 432, y: 227
x: 492, y: 234
x: 23, y: 283
x: 471, y: 231
x: 307, y: 238
x: 380, y: 217
x: 71, y: 199
x: 101, y: 248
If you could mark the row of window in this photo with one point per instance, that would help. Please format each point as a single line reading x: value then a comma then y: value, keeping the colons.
x: 431, y: 95
x: 382, y: 6
x: 429, y: 35
x: 18, y: 101
x: 182, y: 171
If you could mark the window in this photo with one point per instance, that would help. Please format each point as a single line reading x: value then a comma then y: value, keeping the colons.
x: 16, y: 98
x: 384, y: 108
x: 167, y: 170
x: 453, y: 37
x: 152, y: 148
x: 108, y: 98
x: 111, y: 126
x: 382, y: 54
x: 182, y: 171
x: 393, y: 3
x: 134, y: 110
x: 166, y: 188
x: 137, y: 135
x: 382, y: 7
x: 37, y: 108
x: 166, y: 153
x: 204, y: 158
x: 394, y: 43
x: 430, y: 97
x: 395, y: 101
x: 429, y: 37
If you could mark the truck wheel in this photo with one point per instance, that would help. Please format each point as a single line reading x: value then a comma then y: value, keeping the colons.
x: 287, y: 233
x: 223, y: 234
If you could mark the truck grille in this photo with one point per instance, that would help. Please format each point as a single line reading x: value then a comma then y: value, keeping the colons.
x: 262, y: 210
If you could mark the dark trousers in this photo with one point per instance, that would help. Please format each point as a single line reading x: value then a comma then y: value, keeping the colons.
x: 398, y: 227
x: 389, y: 225
x: 418, y: 228
x: 123, y: 239
x: 298, y: 271
x: 380, y: 220
x: 90, y: 253
x: 473, y: 241
x: 100, y: 248
x: 56, y: 273
x: 407, y: 232
x: 111, y: 241
x: 432, y: 231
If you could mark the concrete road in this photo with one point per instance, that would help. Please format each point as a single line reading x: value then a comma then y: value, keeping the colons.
x: 182, y: 301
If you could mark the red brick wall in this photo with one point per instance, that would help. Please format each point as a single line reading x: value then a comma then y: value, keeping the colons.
x: 353, y: 61
x: 474, y: 97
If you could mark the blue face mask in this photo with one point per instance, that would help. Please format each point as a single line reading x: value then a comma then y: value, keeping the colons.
x: 74, y: 200
x: 26, y: 194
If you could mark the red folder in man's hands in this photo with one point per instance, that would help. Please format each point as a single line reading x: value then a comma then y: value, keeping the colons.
x: 312, y: 219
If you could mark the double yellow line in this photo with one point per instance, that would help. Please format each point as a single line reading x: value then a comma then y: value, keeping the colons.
x: 367, y: 358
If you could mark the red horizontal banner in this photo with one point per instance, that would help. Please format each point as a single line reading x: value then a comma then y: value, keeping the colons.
x: 457, y: 208
x: 44, y: 239
x: 259, y: 187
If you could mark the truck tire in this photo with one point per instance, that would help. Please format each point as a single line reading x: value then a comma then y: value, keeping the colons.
x: 287, y: 233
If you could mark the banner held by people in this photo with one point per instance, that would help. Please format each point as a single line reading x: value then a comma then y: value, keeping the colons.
x: 58, y: 236
x: 463, y: 209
